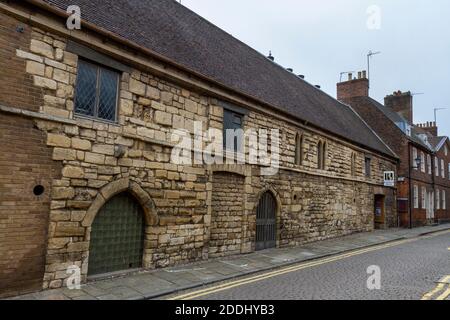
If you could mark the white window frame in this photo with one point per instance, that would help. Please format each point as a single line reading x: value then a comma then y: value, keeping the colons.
x: 424, y: 202
x: 449, y: 171
x: 442, y: 168
x: 414, y: 157
x: 430, y: 165
x: 436, y: 166
x: 438, y: 199
x: 416, y: 197
x: 444, y: 200
x: 422, y: 162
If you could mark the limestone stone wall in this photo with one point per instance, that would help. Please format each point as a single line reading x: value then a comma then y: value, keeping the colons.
x: 227, y: 213
x: 190, y: 209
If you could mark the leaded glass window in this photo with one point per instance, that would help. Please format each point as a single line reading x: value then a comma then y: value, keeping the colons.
x: 96, y: 91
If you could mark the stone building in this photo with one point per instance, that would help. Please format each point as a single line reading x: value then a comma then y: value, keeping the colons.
x: 86, y: 126
x: 423, y: 170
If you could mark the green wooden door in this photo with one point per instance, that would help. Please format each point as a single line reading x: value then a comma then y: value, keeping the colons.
x: 117, y: 236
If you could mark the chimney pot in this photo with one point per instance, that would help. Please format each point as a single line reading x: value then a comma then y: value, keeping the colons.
x: 350, y: 76
x: 364, y: 74
x: 359, y: 75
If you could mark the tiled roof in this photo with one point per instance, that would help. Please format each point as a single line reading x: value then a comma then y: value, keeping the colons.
x: 437, y: 142
x: 172, y: 30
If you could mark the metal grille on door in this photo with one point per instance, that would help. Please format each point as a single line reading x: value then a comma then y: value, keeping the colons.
x: 266, y: 222
x: 117, y: 237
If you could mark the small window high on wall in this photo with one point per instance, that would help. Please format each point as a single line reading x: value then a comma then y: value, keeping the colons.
x: 368, y: 167
x: 321, y: 155
x: 299, y: 149
x: 353, y: 164
x: 96, y: 91
x: 233, y: 139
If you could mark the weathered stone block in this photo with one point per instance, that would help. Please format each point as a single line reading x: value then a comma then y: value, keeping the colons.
x: 167, y: 97
x: 163, y: 118
x: 81, y: 144
x: 67, y: 229
x: 145, y: 132
x: 57, y: 112
x: 94, y: 158
x: 41, y: 48
x: 153, y: 93
x: 126, y: 107
x: 73, y: 172
x: 61, y: 76
x: 103, y: 149
x: 64, y: 154
x: 44, y: 83
x: 29, y: 56
x: 137, y: 87
x: 70, y: 59
x: 55, y: 64
x: 57, y: 140
x: 54, y: 101
x: 191, y: 106
x: 60, y: 193
x: 35, y: 68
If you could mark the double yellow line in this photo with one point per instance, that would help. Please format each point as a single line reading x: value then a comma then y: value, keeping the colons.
x: 237, y: 283
x: 297, y: 267
x: 440, y: 288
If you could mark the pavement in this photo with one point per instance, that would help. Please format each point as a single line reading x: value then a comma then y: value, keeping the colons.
x: 163, y: 282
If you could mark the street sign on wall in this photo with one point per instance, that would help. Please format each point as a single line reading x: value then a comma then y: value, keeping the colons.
x: 389, y: 179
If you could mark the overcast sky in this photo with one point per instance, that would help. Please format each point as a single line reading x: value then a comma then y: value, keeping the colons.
x: 322, y: 38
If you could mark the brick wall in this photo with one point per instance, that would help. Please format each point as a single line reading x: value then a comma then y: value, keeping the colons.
x: 17, y: 88
x: 353, y: 88
x: 443, y: 184
x: 25, y: 162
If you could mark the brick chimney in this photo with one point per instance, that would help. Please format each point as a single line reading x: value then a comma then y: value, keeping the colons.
x: 430, y: 127
x: 353, y: 87
x: 402, y: 103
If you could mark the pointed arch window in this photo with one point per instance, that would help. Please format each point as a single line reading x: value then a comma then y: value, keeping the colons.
x: 321, y: 155
x: 353, y: 164
x: 299, y: 149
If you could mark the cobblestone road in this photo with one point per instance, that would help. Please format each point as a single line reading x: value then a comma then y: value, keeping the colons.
x: 408, y: 271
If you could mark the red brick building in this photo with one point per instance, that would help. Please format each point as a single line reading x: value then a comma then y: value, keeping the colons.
x: 423, y: 170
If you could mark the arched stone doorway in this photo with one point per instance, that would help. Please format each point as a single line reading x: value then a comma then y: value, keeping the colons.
x: 117, y: 236
x: 266, y: 222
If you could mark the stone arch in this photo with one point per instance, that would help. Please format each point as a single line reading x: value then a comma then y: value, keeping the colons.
x: 116, y: 187
x: 279, y: 206
x: 275, y: 194
x: 231, y: 168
